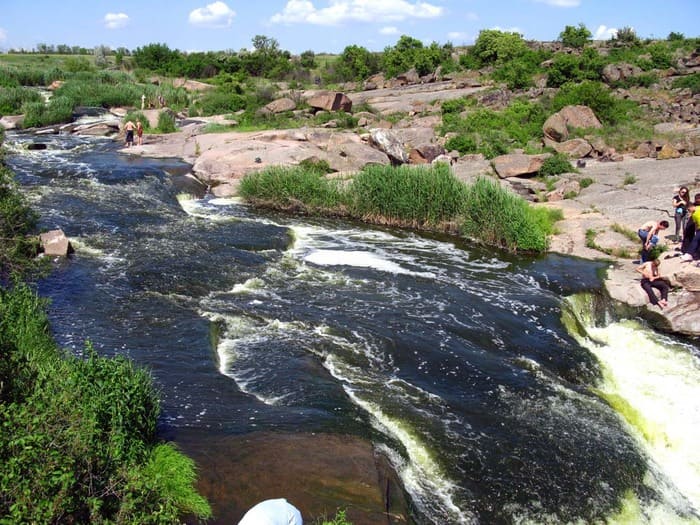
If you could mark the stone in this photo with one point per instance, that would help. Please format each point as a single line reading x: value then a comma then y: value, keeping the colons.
x: 517, y: 164
x: 564, y: 189
x: 580, y: 117
x: 555, y: 128
x: 668, y: 152
x: 353, y: 156
x: 574, y: 148
x: 644, y: 150
x: 688, y: 279
x: 281, y: 105
x: 11, y: 121
x: 425, y: 153
x: 55, y: 243
x: 330, y: 101
x: 388, y: 142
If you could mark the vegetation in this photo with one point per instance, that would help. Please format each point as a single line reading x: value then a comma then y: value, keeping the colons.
x: 78, y: 439
x: 555, y: 165
x: 428, y: 198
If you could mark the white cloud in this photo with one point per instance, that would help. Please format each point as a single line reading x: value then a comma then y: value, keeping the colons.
x: 604, y: 33
x: 339, y: 11
x: 217, y: 14
x: 561, y: 3
x: 389, y: 30
x: 116, y: 20
x: 508, y: 30
x: 459, y: 36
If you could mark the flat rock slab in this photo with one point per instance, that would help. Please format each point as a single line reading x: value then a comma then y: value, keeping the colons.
x: 317, y: 473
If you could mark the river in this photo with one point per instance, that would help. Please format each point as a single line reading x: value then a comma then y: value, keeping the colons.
x: 484, y: 378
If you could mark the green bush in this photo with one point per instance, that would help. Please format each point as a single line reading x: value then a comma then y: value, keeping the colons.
x: 501, y: 218
x: 554, y: 165
x: 462, y: 143
x: 599, y: 98
x: 575, y: 37
x: 166, y: 122
x: 58, y: 110
x: 691, y: 82
x: 12, y: 99
x: 78, y: 435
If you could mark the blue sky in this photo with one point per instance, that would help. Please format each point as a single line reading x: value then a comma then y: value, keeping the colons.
x: 324, y: 25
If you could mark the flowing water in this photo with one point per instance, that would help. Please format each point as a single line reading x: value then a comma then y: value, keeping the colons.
x: 456, y: 361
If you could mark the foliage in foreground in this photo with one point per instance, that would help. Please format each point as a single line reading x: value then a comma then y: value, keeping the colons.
x: 17, y: 220
x: 78, y: 435
x: 429, y: 198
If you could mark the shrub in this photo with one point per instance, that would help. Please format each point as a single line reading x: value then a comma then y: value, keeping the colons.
x: 12, y: 99
x: 462, y: 143
x: 691, y: 82
x: 599, y: 98
x: 166, y: 122
x: 500, y: 218
x: 585, y: 182
x: 58, y: 110
x: 575, y: 37
x: 554, y: 165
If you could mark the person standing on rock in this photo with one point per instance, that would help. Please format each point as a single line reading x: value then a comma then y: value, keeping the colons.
x: 680, y: 210
x: 651, y: 278
x: 691, y: 248
x: 648, y: 233
x: 139, y: 133
x: 129, y: 128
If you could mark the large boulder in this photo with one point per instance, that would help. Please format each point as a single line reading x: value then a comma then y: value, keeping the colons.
x: 518, y: 164
x: 281, y: 105
x: 425, y: 153
x: 353, y: 156
x: 574, y: 148
x: 330, y: 101
x: 388, y: 141
x: 54, y: 243
x: 557, y: 126
x: 11, y: 121
x: 620, y: 71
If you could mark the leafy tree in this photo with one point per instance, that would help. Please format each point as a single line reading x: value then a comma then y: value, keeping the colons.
x: 156, y: 57
x: 626, y: 36
x: 674, y: 36
x: 575, y: 37
x: 494, y: 47
x: 308, y: 59
x: 356, y: 63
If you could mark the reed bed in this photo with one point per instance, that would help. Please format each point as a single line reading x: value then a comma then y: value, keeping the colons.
x: 425, y: 198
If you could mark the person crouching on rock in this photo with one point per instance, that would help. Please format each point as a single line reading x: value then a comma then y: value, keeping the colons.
x: 651, y: 278
x: 648, y: 233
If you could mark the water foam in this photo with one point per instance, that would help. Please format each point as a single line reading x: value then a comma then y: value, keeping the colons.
x: 655, y: 385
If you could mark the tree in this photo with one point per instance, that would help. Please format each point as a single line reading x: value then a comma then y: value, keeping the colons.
x: 308, y: 59
x: 494, y: 47
x: 626, y: 36
x: 356, y: 63
x: 575, y: 37
x: 156, y: 57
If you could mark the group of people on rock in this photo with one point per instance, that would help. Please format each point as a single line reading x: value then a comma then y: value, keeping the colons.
x: 686, y: 215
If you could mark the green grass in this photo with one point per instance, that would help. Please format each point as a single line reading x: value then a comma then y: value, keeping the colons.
x: 424, y: 198
x: 629, y: 179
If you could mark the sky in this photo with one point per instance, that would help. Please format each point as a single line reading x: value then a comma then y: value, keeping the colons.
x: 324, y: 25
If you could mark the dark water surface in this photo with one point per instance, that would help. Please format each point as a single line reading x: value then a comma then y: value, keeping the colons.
x: 453, y: 359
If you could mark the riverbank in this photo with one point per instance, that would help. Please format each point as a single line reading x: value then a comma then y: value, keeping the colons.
x: 623, y: 194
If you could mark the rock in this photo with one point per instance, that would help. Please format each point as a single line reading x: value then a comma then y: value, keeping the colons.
x: 688, y: 279
x: 668, y: 152
x: 517, y: 164
x: 425, y: 153
x: 11, y: 121
x: 281, y: 105
x: 96, y: 130
x: 564, y: 189
x: 331, y: 101
x: 580, y: 117
x: 409, y: 77
x: 555, y: 128
x: 644, y: 150
x: 574, y: 148
x: 615, y: 72
x: 36, y: 146
x: 55, y: 85
x: 55, y: 243
x: 388, y: 142
x: 353, y: 156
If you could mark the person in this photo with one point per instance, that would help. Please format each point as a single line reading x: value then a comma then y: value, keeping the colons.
x: 139, y: 133
x: 129, y: 127
x: 651, y: 278
x: 689, y: 229
x: 691, y: 249
x: 680, y: 210
x: 648, y: 233
x: 272, y: 512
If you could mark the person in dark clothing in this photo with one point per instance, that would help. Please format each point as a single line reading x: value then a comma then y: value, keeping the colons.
x: 651, y: 278
x: 681, y: 200
x: 688, y: 230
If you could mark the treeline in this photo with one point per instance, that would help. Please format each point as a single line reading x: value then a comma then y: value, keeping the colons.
x: 78, y: 440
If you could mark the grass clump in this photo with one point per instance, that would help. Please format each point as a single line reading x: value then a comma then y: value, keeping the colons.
x: 555, y: 165
x: 294, y: 188
x: 428, y: 198
x: 410, y: 196
x: 500, y: 218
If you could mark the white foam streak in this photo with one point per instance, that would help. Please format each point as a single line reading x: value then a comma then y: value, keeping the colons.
x: 661, y: 384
